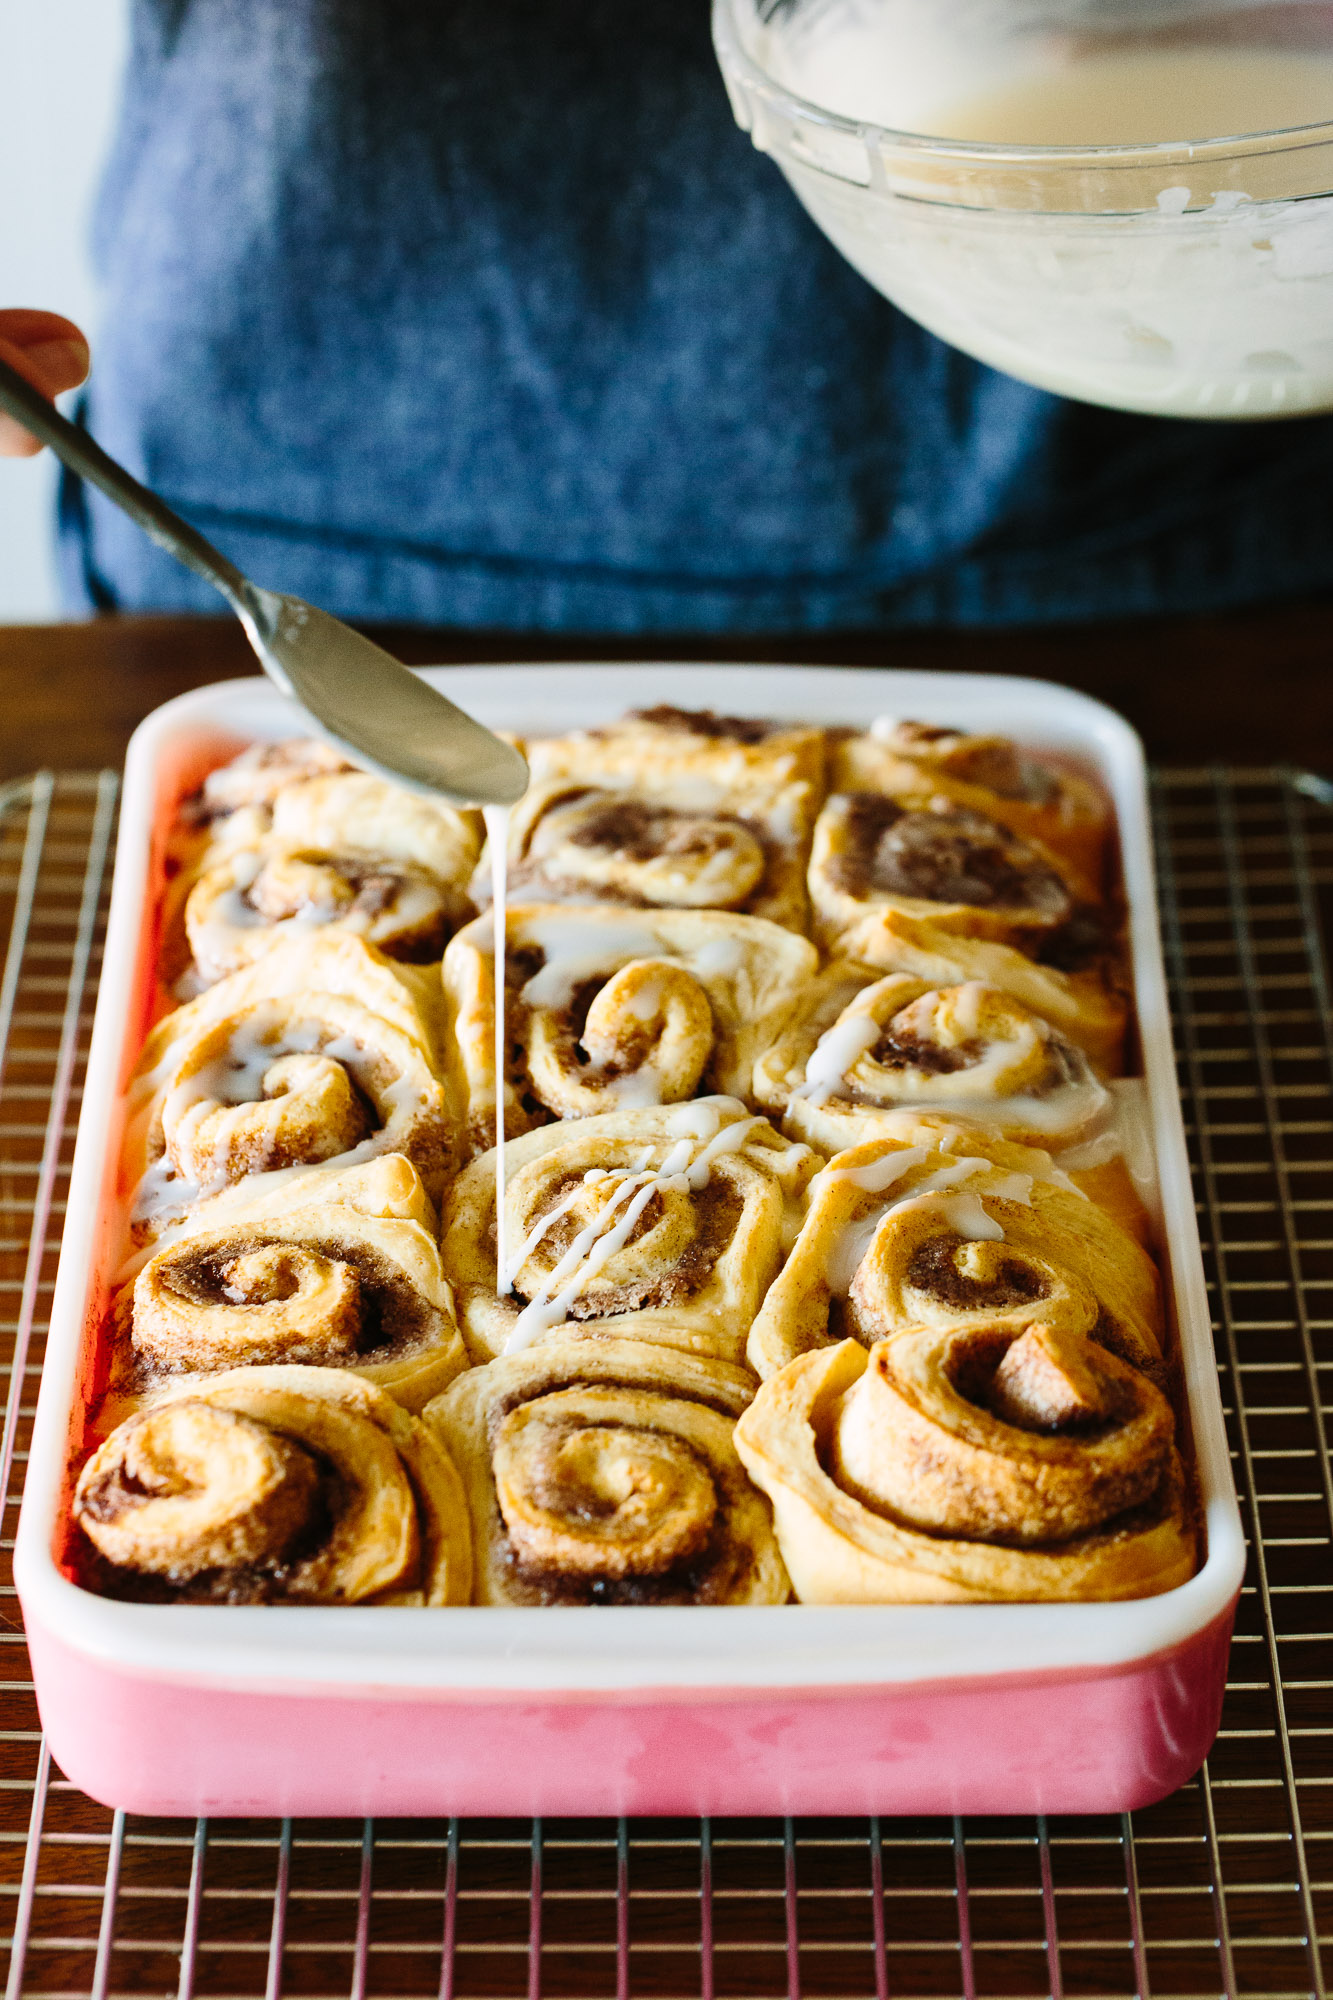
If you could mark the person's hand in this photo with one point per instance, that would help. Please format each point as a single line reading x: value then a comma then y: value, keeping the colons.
x: 51, y: 353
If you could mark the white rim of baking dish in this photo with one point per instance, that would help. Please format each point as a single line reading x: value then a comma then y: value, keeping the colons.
x: 571, y: 1650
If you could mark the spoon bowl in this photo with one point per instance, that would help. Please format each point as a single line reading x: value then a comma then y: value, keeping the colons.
x: 376, y: 709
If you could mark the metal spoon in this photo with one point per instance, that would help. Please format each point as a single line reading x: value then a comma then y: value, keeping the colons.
x: 364, y: 699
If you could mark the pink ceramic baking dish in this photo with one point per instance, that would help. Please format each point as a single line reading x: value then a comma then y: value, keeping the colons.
x: 803, y: 1709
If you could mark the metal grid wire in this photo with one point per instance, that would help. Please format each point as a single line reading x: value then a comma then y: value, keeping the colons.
x: 1227, y: 1888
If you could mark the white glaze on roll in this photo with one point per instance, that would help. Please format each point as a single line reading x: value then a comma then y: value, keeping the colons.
x: 686, y: 1168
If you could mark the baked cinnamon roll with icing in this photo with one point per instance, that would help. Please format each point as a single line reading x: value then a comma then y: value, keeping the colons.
x: 984, y: 774
x: 663, y: 1226
x: 316, y: 1052
x: 337, y: 1269
x: 259, y: 773
x: 613, y: 1010
x: 346, y: 851
x: 231, y: 809
x: 608, y: 1475
x: 861, y: 1046
x: 1084, y: 997
x: 945, y: 1225
x: 282, y: 1485
x: 972, y: 1463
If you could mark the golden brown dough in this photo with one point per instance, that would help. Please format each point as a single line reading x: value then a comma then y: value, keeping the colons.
x: 607, y: 1475
x: 961, y: 1353
x: 943, y: 1224
x: 861, y: 1045
x: 985, y: 774
x: 652, y: 1225
x: 345, y: 1273
x: 743, y: 753
x: 1078, y: 1495
x: 275, y: 1485
x: 612, y: 1009
x: 231, y: 809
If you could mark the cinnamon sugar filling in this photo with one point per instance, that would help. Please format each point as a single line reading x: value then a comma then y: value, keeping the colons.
x: 703, y: 722
x: 391, y: 1315
x: 934, y: 1270
x: 943, y: 854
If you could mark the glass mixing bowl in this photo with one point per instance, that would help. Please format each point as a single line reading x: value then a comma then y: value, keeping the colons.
x: 1186, y: 276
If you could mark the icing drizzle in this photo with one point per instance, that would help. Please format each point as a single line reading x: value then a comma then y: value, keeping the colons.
x: 703, y: 1138
x: 497, y: 834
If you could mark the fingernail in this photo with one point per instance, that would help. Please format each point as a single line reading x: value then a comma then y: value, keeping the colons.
x: 62, y: 363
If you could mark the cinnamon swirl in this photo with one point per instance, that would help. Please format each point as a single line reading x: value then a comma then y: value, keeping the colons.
x: 274, y: 1485
x: 663, y: 1226
x: 984, y: 774
x: 316, y: 1052
x: 231, y: 810
x: 945, y: 1225
x: 925, y: 856
x: 860, y: 1046
x: 608, y: 1475
x: 1084, y: 998
x: 259, y: 773
x: 344, y: 1273
x: 672, y: 809
x: 969, y: 1464
x: 658, y: 847
x: 347, y: 851
x: 615, y: 1010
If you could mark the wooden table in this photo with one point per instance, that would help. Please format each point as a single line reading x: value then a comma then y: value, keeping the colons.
x: 1252, y: 687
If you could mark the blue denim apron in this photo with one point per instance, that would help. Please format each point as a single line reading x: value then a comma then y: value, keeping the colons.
x: 483, y: 313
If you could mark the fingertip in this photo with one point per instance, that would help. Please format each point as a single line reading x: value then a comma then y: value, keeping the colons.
x: 51, y: 353
x: 15, y: 442
x: 58, y: 364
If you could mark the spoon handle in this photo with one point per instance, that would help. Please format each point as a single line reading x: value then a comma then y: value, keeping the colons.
x: 86, y: 457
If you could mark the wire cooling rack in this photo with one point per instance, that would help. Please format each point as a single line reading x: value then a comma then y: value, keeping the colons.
x: 1227, y: 1888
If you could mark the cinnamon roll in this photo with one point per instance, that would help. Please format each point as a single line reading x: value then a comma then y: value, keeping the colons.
x: 984, y: 774
x: 944, y: 1225
x: 658, y: 846
x: 263, y: 770
x: 615, y: 1010
x: 604, y: 1475
x: 663, y: 1226
x: 231, y: 811
x: 344, y: 1273
x: 346, y: 851
x: 282, y: 1485
x: 739, y: 752
x: 969, y: 1464
x: 314, y: 1053
x: 924, y: 856
x: 861, y: 1046
x: 672, y: 809
x: 1084, y: 997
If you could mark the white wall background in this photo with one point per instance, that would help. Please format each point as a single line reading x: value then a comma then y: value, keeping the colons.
x: 60, y: 63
